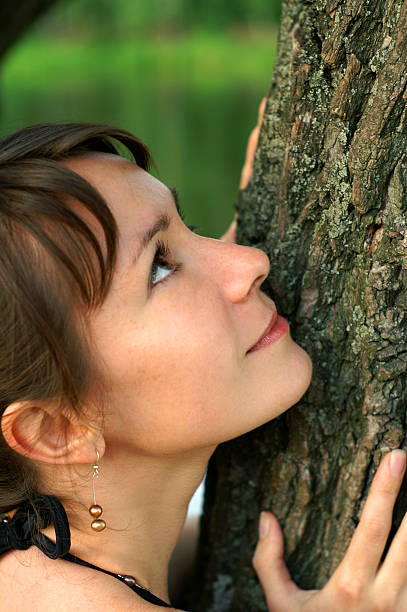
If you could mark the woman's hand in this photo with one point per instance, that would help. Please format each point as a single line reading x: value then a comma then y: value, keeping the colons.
x: 251, y: 148
x: 230, y: 235
x: 358, y: 584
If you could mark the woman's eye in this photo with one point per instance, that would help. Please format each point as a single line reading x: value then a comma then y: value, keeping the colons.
x: 162, y: 267
x: 159, y: 272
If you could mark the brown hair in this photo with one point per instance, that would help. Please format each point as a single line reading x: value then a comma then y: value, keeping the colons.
x: 50, y: 264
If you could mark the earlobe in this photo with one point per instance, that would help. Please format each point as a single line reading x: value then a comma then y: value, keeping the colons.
x: 42, y: 431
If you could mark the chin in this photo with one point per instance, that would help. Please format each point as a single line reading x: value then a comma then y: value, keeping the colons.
x: 281, y: 387
x: 301, y: 375
x: 294, y: 383
x: 286, y: 392
x: 304, y: 372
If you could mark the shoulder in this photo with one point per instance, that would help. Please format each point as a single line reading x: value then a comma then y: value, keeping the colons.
x: 61, y: 586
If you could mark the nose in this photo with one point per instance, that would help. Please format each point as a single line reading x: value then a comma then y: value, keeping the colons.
x: 240, y: 269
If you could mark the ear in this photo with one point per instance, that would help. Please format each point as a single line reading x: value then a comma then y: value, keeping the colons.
x: 45, y: 431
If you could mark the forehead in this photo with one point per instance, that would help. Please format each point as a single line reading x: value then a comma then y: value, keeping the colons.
x: 127, y: 189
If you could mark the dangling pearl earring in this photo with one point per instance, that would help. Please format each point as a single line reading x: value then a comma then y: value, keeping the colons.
x: 95, y: 510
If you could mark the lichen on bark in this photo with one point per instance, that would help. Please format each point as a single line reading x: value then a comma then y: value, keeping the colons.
x: 328, y: 203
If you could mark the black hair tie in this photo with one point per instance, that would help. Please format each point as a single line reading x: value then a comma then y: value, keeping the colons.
x: 23, y: 530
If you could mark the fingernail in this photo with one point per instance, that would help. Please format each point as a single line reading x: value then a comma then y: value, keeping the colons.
x: 397, y: 462
x: 264, y: 525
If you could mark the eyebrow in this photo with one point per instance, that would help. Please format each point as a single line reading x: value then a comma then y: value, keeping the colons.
x: 160, y: 225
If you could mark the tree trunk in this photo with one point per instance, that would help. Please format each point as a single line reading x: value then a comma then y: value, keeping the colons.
x: 328, y: 203
x: 15, y: 17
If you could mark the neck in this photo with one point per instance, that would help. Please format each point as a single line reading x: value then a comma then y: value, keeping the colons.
x: 145, y: 501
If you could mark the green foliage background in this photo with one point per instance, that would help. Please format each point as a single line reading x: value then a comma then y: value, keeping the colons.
x: 186, y: 76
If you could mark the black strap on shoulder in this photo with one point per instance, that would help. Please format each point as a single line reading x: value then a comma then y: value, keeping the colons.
x: 23, y: 530
x: 128, y: 580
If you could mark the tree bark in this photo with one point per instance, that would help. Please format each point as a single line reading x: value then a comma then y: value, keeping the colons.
x: 15, y: 17
x: 328, y: 203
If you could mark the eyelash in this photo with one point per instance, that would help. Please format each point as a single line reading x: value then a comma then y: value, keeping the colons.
x: 163, y: 259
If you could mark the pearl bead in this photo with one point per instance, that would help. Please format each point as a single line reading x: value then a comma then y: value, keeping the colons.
x: 130, y: 580
x: 98, y: 525
x: 95, y: 510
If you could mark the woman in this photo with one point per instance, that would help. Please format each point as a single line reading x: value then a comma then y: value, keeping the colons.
x: 131, y: 347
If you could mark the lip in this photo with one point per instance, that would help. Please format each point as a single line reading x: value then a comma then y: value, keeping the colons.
x: 276, y: 329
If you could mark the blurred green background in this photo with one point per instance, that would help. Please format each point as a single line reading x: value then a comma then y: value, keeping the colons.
x: 186, y: 76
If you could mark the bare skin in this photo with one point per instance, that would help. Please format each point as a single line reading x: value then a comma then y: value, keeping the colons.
x: 174, y: 391
x: 172, y: 341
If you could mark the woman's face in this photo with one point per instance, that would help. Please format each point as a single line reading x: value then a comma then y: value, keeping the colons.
x: 175, y: 329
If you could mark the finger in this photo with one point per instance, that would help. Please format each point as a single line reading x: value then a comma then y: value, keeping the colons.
x: 280, y: 591
x: 392, y: 574
x: 261, y: 111
x: 248, y: 164
x: 251, y: 147
x: 367, y: 545
x: 230, y: 234
x: 401, y: 604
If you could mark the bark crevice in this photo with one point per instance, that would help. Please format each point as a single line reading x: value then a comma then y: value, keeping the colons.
x: 327, y: 202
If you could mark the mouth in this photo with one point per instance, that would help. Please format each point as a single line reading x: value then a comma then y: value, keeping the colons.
x: 276, y: 329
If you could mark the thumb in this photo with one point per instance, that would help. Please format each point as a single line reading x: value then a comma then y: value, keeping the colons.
x: 281, y: 592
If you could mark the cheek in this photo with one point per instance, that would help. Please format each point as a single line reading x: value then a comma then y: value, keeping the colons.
x: 170, y: 386
x: 181, y: 377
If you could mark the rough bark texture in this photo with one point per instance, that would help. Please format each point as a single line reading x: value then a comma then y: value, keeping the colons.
x: 15, y: 17
x: 328, y: 202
